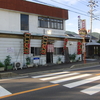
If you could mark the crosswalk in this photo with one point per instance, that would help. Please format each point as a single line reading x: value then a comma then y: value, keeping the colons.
x: 77, y: 79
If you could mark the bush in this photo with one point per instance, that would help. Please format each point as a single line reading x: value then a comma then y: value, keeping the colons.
x: 1, y: 64
x: 72, y: 56
x: 7, y: 61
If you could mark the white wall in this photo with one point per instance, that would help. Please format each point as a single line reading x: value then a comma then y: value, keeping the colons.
x: 12, y: 47
x: 72, y: 47
x: 10, y: 21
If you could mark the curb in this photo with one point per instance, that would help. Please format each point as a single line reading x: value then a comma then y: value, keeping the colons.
x: 7, y: 75
x: 84, y: 65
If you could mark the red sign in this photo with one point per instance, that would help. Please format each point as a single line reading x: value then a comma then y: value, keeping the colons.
x: 79, y: 48
x: 50, y: 48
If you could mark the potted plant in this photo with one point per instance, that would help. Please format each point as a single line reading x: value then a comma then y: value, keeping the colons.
x: 7, y: 63
x: 2, y: 67
x: 28, y: 62
x: 72, y: 57
x: 59, y: 60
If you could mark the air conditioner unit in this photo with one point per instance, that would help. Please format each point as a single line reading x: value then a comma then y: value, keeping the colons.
x: 17, y: 65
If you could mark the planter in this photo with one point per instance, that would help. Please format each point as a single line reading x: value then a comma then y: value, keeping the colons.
x: 31, y: 65
x: 59, y: 62
x: 2, y: 68
x: 10, y: 67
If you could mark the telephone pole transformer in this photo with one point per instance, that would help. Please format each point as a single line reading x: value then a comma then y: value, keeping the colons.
x: 92, y: 5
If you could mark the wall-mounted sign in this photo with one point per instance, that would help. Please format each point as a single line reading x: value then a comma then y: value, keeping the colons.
x: 79, y: 48
x: 26, y: 43
x: 36, y: 60
x: 44, y: 44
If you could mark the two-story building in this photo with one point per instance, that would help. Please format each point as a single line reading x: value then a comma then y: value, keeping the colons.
x: 33, y: 30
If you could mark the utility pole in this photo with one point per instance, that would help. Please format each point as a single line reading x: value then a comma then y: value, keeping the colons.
x: 92, y: 5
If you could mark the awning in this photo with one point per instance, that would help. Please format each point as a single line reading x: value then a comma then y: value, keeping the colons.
x: 92, y: 43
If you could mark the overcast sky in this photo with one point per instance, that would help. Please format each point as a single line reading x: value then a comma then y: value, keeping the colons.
x: 76, y: 8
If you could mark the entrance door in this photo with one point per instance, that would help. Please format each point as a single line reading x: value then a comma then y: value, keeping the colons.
x: 49, y: 57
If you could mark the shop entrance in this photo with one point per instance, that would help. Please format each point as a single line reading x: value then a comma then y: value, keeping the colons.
x: 49, y: 57
x: 49, y: 54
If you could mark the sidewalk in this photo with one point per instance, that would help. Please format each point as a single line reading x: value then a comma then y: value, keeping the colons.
x: 48, y: 68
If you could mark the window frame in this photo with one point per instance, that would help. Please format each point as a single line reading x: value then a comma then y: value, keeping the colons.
x: 24, y: 22
x: 53, y: 23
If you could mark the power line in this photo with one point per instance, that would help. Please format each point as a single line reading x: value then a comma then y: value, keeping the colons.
x: 83, y: 2
x: 85, y: 13
x: 68, y: 6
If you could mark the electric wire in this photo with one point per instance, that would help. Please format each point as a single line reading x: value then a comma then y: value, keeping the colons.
x: 77, y: 12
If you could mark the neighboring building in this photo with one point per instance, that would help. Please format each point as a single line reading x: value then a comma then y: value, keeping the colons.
x: 18, y: 17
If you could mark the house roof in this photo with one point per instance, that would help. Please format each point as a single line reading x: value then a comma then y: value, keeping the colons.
x: 31, y: 7
x: 92, y: 43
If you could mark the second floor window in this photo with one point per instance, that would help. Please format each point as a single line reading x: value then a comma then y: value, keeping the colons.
x: 24, y: 22
x: 45, y: 22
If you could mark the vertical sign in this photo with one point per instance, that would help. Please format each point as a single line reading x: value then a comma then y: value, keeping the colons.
x: 79, y: 23
x: 83, y: 24
x: 79, y: 48
x: 26, y: 43
x: 44, y: 44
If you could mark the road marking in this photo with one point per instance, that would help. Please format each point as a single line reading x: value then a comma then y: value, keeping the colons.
x: 4, y: 92
x: 13, y: 78
x: 78, y: 83
x: 29, y: 91
x: 92, y: 90
x: 59, y: 76
x: 50, y: 74
x: 70, y: 78
x: 98, y: 74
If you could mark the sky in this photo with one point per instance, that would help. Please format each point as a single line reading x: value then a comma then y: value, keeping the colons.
x: 76, y: 8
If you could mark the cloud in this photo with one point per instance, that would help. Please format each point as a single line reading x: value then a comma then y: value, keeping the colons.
x: 69, y: 24
x: 72, y: 1
x: 96, y: 30
x: 97, y: 13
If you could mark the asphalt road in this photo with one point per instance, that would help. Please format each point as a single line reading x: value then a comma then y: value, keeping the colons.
x: 79, y: 84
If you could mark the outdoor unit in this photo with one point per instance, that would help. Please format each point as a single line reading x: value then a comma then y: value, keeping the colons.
x: 17, y: 65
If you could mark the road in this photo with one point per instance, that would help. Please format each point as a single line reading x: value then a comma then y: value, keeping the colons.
x: 79, y: 84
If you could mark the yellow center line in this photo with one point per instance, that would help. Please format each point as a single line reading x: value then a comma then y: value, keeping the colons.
x: 98, y: 74
x: 28, y: 91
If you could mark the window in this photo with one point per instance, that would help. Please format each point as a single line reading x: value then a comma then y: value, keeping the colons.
x: 58, y: 51
x: 35, y: 51
x: 46, y: 22
x: 24, y: 22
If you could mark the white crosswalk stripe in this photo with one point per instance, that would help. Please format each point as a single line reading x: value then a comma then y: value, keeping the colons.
x: 78, y: 83
x: 4, y: 92
x: 92, y: 90
x: 61, y: 77
x: 50, y: 74
x: 70, y: 78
